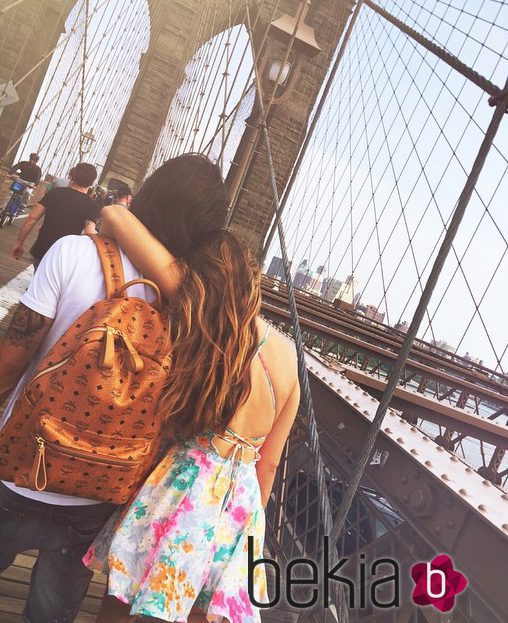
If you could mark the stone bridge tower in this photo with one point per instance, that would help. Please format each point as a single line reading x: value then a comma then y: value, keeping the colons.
x: 38, y: 24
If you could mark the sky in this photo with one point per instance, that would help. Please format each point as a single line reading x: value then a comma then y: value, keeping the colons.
x: 390, y: 155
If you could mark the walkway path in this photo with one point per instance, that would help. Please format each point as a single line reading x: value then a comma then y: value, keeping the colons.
x: 14, y: 275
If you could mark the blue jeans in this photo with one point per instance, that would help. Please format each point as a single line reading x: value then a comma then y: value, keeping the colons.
x: 62, y: 534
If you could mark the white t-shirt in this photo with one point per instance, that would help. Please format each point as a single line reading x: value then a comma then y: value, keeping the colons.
x: 68, y: 281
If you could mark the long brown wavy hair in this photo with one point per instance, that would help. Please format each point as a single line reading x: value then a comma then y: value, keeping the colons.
x: 213, y: 325
x: 213, y: 314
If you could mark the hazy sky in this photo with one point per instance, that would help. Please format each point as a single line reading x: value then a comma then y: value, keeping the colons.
x: 389, y: 158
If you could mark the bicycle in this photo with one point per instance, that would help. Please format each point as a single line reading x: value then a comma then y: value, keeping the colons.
x: 12, y: 207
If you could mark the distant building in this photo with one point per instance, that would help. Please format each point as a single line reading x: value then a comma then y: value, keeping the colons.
x: 307, y: 279
x: 473, y: 359
x: 402, y: 326
x: 330, y: 288
x: 276, y: 269
x: 303, y: 276
x: 444, y: 345
x: 372, y: 312
x: 348, y: 290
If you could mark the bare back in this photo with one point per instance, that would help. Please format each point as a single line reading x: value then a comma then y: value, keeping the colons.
x: 273, y: 378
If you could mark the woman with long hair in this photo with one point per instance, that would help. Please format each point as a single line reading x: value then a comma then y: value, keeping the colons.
x: 180, y: 550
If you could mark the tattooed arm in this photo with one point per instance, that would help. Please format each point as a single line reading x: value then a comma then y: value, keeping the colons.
x: 25, y: 334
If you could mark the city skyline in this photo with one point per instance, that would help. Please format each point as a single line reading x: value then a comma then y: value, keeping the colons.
x: 275, y: 270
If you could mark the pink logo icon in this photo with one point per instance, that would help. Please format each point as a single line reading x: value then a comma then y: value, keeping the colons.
x: 437, y: 583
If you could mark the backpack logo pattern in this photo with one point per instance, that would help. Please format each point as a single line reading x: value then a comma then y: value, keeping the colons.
x: 87, y: 424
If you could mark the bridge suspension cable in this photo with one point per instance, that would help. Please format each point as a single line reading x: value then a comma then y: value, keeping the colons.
x: 112, y: 68
x: 370, y: 192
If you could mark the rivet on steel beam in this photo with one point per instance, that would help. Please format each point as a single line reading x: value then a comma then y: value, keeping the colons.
x: 425, y: 438
x: 482, y: 507
x: 414, y: 451
x: 454, y: 458
x: 338, y: 390
x: 463, y: 492
x: 505, y: 527
x: 366, y: 412
x: 330, y: 384
x: 311, y: 367
x: 365, y: 393
x: 392, y: 413
x: 388, y: 430
x: 400, y: 440
x: 402, y: 421
x: 486, y: 483
x: 413, y: 429
x: 440, y: 448
x: 372, y: 399
x: 469, y: 470
x: 445, y: 477
x: 504, y: 496
x: 428, y: 463
x: 355, y: 404
x: 347, y: 398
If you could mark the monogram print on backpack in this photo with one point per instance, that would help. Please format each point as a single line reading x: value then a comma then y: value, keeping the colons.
x: 87, y: 423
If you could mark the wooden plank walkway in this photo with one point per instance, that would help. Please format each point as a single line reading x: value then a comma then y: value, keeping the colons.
x: 14, y: 589
x: 9, y: 267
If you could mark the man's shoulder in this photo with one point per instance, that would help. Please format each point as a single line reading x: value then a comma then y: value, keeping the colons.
x: 62, y: 194
x: 81, y: 251
x: 50, y: 195
x: 77, y: 248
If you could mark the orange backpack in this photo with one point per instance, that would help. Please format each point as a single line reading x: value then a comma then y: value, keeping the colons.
x: 88, y: 424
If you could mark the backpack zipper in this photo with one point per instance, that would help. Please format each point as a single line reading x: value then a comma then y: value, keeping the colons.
x: 39, y: 476
x: 59, y: 364
x: 88, y: 456
x: 55, y: 366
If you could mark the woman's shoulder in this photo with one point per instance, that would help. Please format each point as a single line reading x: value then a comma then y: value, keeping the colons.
x: 279, y: 353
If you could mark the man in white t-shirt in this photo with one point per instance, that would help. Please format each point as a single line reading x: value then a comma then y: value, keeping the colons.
x: 180, y: 203
x: 68, y: 281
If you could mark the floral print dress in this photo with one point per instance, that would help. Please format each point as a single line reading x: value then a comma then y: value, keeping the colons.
x: 183, y: 541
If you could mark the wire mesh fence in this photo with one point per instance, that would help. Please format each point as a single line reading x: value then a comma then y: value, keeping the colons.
x: 381, y: 178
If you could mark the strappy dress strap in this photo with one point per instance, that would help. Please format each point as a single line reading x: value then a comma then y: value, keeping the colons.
x: 265, y: 337
x: 227, y: 476
x: 265, y: 368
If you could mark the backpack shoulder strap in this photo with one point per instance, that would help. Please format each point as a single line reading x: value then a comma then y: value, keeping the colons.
x: 111, y: 262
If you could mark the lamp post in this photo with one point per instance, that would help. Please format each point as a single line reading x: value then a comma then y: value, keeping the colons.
x: 86, y: 141
x: 278, y: 72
